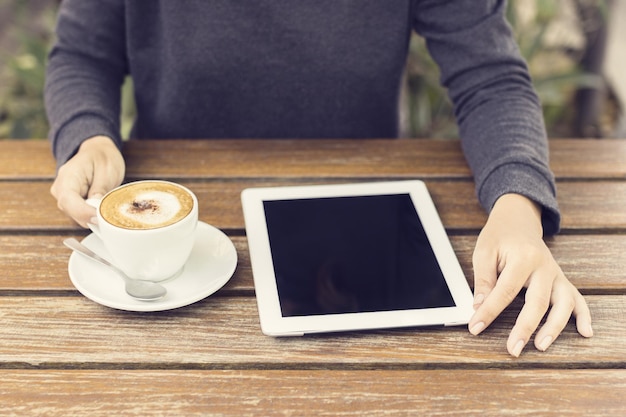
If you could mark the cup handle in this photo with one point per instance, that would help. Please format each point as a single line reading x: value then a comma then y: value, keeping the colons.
x: 95, y: 203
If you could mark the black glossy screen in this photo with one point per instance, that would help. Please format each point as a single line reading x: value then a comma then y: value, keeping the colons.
x: 352, y: 254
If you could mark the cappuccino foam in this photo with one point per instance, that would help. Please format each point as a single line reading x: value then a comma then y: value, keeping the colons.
x: 146, y: 205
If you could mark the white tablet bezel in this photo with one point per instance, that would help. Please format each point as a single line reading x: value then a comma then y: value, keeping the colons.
x: 272, y: 321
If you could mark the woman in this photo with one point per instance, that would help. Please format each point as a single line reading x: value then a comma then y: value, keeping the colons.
x: 315, y: 69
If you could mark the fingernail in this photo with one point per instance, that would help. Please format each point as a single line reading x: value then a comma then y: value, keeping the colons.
x: 93, y: 220
x: 517, y: 349
x: 477, y: 328
x: 589, y: 330
x: 545, y: 343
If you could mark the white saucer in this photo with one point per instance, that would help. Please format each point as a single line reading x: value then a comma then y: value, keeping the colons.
x: 211, y: 264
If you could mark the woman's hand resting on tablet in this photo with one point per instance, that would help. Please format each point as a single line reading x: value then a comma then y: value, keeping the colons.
x: 510, y: 254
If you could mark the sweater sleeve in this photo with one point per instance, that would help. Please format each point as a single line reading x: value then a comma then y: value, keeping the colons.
x: 498, y: 112
x: 86, y: 68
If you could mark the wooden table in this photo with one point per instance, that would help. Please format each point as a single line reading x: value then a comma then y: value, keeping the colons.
x: 62, y: 354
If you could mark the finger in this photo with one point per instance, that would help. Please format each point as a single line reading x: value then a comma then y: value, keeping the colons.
x: 105, y: 177
x: 508, y: 285
x: 69, y: 191
x: 75, y: 207
x: 485, y: 266
x: 103, y: 183
x: 485, y: 277
x: 565, y: 302
x: 583, y: 316
x: 555, y: 323
x: 536, y: 304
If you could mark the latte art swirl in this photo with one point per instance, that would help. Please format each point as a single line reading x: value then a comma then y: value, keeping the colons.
x: 146, y: 205
x: 151, y: 208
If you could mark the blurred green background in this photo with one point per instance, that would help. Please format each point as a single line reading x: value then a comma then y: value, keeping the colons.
x: 557, y: 37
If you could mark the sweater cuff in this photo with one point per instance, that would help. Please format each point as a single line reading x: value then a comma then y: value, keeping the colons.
x: 521, y: 179
x: 82, y: 127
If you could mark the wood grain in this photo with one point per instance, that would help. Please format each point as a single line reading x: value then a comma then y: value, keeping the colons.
x: 62, y: 354
x: 224, y: 333
x: 23, y: 256
x: 296, y: 159
x: 583, y: 259
x: 550, y: 393
x: 588, y: 158
x: 20, y: 159
x: 26, y: 159
x: 27, y: 206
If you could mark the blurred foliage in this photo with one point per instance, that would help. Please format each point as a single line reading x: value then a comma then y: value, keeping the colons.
x: 555, y: 68
x: 127, y: 117
x: 22, y: 113
x: 22, y: 78
x: 555, y: 72
x: 429, y: 111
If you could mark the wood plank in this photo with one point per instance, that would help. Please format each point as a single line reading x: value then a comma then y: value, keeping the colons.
x: 26, y: 159
x: 39, y: 263
x: 592, y: 205
x: 29, y: 205
x: 353, y: 158
x: 257, y: 158
x: 594, y: 263
x: 32, y: 159
x: 588, y: 158
x: 296, y: 159
x: 314, y: 393
x: 223, y: 333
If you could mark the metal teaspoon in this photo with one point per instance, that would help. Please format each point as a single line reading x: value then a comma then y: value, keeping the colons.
x: 139, y: 289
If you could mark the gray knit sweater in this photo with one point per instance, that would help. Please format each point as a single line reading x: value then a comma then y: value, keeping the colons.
x: 298, y: 69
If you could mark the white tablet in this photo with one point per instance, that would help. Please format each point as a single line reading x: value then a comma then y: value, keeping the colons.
x: 329, y: 258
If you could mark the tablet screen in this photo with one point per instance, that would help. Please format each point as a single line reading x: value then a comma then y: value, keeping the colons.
x: 352, y: 254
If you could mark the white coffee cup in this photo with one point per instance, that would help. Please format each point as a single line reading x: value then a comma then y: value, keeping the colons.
x: 148, y: 227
